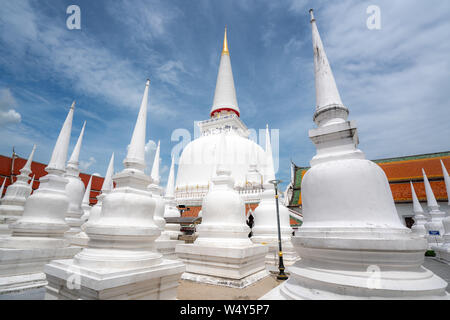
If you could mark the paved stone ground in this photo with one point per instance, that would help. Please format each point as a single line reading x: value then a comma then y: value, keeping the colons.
x: 189, y: 290
x: 440, y: 268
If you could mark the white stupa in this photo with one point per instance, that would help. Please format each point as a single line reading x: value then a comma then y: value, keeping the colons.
x: 197, y: 164
x: 223, y: 254
x: 107, y: 187
x: 85, y: 204
x: 2, y: 188
x: 121, y: 260
x: 419, y: 217
x: 171, y: 211
x: 352, y: 243
x: 164, y: 243
x: 13, y: 203
x: 38, y: 235
x: 434, y: 227
x: 265, y: 229
x: 443, y: 250
x: 74, y: 190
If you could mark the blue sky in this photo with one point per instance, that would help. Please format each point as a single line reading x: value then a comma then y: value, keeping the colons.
x: 395, y: 80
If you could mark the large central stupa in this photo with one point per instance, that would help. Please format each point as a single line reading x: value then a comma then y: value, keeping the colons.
x: 197, y: 163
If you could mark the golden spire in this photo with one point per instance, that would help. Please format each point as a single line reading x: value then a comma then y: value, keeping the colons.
x: 225, y: 44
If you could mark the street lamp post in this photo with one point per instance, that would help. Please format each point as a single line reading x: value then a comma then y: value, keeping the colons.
x: 281, y: 275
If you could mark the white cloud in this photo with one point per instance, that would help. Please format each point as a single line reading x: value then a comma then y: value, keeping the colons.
x: 84, y: 165
x: 169, y: 72
x: 7, y: 114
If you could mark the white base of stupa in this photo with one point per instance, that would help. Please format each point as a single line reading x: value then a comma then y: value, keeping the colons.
x: 290, y: 256
x: 150, y: 283
x: 442, y: 252
x: 13, y: 213
x: 167, y: 247
x: 80, y: 239
x: 172, y: 230
x: 22, y: 269
x: 232, y: 266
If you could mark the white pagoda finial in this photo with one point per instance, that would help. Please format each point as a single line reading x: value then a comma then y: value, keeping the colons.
x: 31, y: 184
x: 136, y: 150
x: 431, y: 200
x: 76, y: 150
x: 59, y: 156
x: 327, y: 94
x: 108, y: 182
x: 225, y: 94
x: 27, y: 167
x: 87, y: 193
x: 417, y: 208
x: 170, y: 188
x: 270, y: 171
x: 155, y: 169
x: 447, y: 181
x: 2, y: 188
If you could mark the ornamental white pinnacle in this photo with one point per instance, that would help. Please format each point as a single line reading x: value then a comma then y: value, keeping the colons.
x: 136, y: 150
x: 447, y: 181
x: 31, y: 184
x: 26, y: 170
x: 431, y: 199
x: 225, y: 93
x: 59, y: 155
x: 417, y: 208
x: 108, y: 182
x: 170, y: 188
x: 87, y: 193
x: 73, y: 161
x: 2, y: 188
x: 155, y: 169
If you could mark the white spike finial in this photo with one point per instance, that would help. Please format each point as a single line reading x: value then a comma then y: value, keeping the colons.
x: 57, y: 162
x: 311, y: 12
x: 447, y: 181
x: 26, y: 170
x: 155, y: 169
x: 108, y: 182
x: 136, y: 150
x: 327, y: 94
x: 270, y: 170
x: 431, y: 200
x: 31, y: 184
x: 2, y: 188
x: 417, y: 208
x: 170, y: 188
x: 76, y: 150
x: 87, y: 193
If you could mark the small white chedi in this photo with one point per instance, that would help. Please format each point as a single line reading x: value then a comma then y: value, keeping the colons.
x: 85, y: 204
x: 13, y: 203
x: 172, y: 230
x: 223, y: 254
x: 443, y: 250
x: 121, y: 260
x: 265, y: 228
x: 419, y: 218
x: 434, y: 227
x: 74, y: 190
x: 164, y: 243
x: 352, y: 243
x: 38, y: 236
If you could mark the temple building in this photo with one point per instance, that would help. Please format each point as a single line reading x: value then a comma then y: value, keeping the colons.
x: 198, y: 162
x: 399, y: 171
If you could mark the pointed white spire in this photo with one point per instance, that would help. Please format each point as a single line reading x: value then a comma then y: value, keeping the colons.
x: 170, y: 188
x: 431, y: 200
x: 417, y: 208
x: 136, y: 150
x: 327, y: 94
x: 76, y: 150
x: 155, y: 169
x: 108, y: 182
x: 87, y: 193
x: 26, y: 170
x: 59, y: 155
x: 2, y: 187
x: 225, y: 94
x: 447, y: 181
x: 270, y: 171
